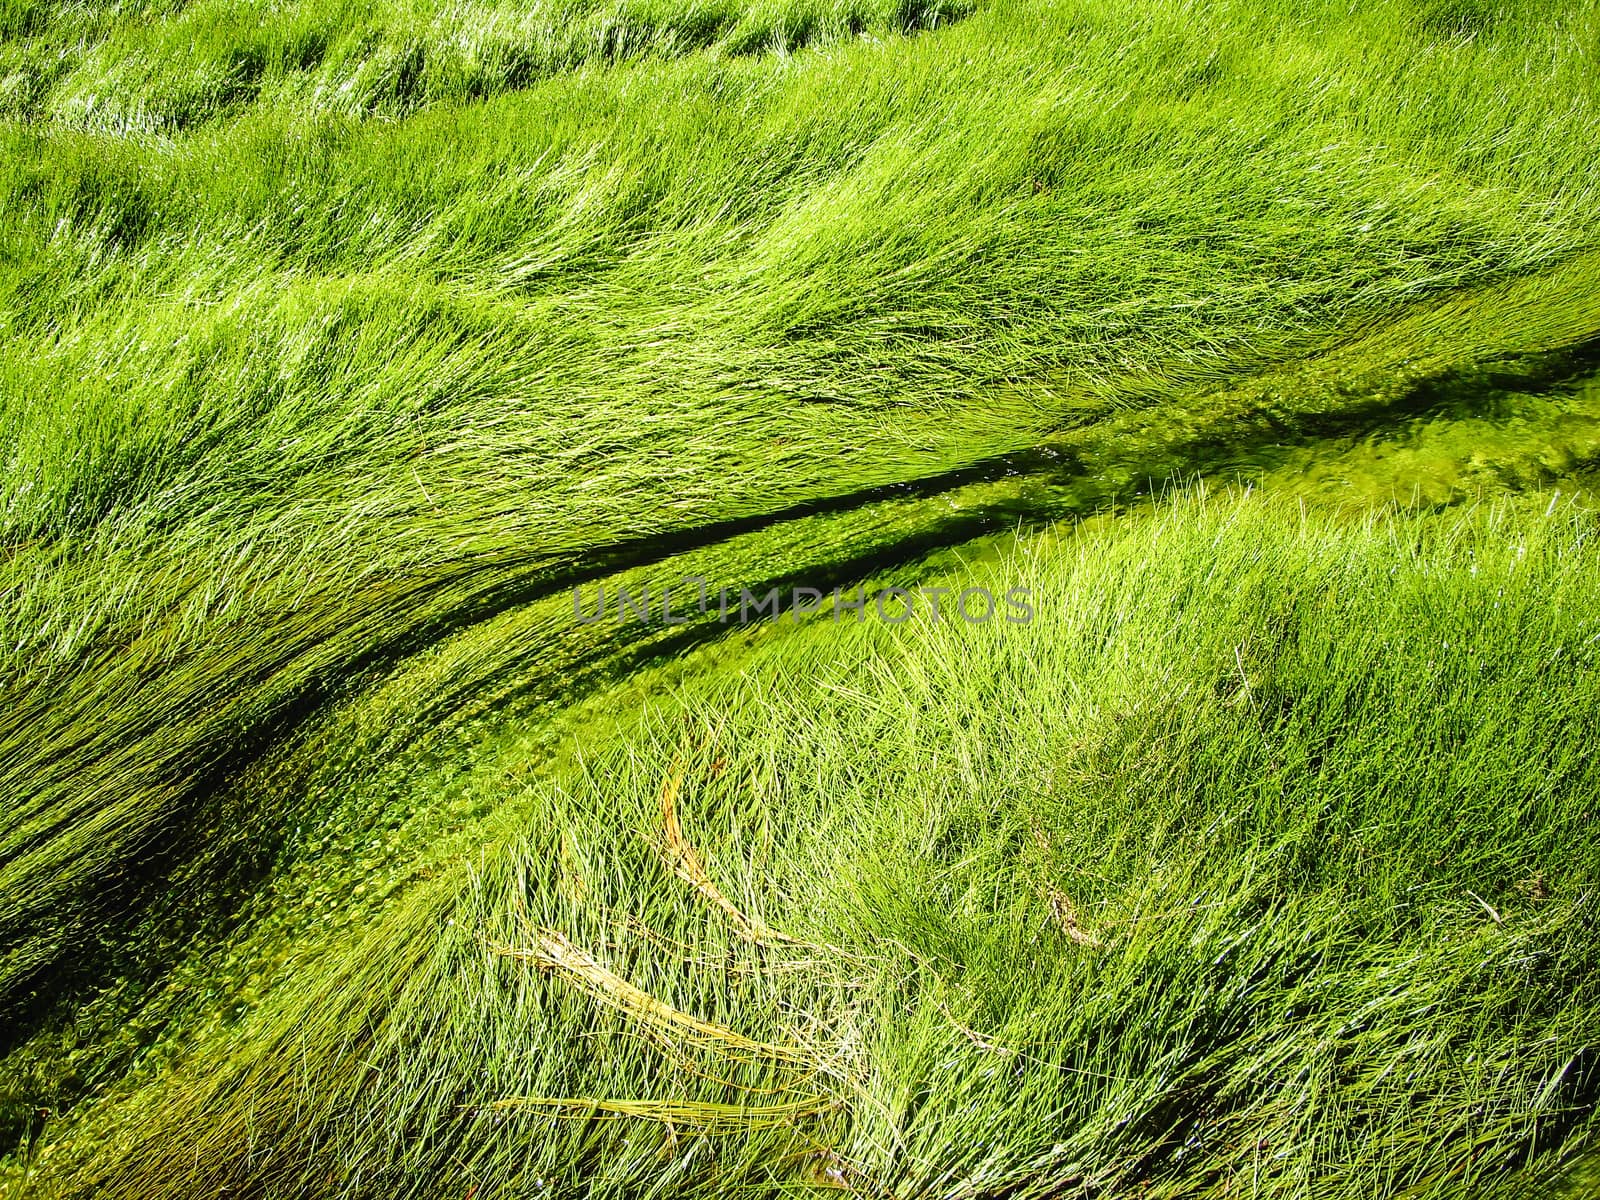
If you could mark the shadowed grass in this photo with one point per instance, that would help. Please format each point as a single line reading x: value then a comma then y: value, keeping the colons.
x: 156, y: 68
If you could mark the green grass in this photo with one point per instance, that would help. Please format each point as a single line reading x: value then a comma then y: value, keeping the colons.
x: 337, y: 344
x: 1313, y: 788
x: 162, y: 67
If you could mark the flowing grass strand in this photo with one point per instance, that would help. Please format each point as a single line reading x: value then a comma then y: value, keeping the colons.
x: 556, y: 954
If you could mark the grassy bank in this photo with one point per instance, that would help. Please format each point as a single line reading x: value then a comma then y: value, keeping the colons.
x: 338, y: 346
x: 1258, y: 854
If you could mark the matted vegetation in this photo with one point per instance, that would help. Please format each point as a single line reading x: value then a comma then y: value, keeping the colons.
x: 339, y: 345
x: 1259, y: 853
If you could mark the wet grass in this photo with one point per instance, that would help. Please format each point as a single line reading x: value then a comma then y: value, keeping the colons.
x: 338, y: 346
x: 1257, y: 854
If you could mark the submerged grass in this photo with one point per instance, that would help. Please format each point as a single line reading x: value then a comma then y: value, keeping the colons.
x: 1309, y: 789
x: 339, y: 345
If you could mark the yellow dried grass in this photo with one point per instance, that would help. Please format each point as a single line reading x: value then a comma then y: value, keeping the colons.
x: 1065, y: 915
x: 685, y: 863
x: 556, y: 954
x: 692, y: 1114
